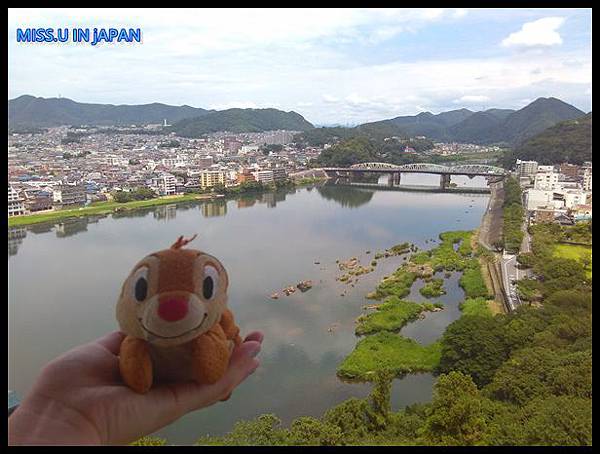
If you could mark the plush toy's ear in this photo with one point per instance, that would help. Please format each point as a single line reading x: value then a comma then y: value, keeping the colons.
x: 182, y: 242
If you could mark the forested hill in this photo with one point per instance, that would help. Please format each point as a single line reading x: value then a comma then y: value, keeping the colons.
x: 568, y: 141
x: 28, y: 111
x: 242, y: 120
x: 490, y: 126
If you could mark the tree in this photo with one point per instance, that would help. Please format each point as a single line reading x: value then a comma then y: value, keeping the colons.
x: 351, y: 417
x: 307, y: 430
x: 456, y: 416
x: 262, y: 431
x: 557, y: 420
x: 379, y: 399
x: 473, y: 345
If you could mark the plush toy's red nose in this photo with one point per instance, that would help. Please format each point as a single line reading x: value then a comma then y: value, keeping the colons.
x: 173, y: 309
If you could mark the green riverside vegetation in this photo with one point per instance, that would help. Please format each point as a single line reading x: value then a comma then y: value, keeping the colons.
x: 388, y: 351
x: 433, y: 288
x: 523, y: 378
x: 99, y: 208
x: 142, y: 198
x: 392, y: 315
x: 513, y: 216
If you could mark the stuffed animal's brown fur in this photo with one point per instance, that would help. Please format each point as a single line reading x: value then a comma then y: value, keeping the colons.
x: 173, y: 309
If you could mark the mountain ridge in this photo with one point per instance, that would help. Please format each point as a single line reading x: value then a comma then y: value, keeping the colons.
x: 31, y: 111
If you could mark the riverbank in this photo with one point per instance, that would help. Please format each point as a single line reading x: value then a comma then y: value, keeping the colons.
x: 100, y: 208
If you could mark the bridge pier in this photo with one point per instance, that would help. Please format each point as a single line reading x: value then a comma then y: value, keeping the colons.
x: 390, y: 180
x: 444, y: 181
x: 397, y: 179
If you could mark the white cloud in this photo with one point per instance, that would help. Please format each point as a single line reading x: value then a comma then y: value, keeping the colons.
x: 542, y: 32
x: 458, y: 13
x: 472, y: 99
x: 330, y: 99
x: 331, y: 71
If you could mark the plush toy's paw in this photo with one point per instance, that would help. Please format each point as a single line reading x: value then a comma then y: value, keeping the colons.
x: 231, y: 330
x: 135, y: 364
x: 226, y: 397
x: 210, y: 357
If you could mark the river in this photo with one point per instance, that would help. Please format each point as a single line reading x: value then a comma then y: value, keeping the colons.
x: 64, y: 280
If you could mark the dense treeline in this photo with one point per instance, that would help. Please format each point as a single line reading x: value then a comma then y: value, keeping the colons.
x: 141, y: 193
x: 318, y: 137
x: 568, y: 141
x: 366, y: 149
x: 513, y: 216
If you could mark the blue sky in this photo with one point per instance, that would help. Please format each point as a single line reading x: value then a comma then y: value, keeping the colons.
x: 334, y: 66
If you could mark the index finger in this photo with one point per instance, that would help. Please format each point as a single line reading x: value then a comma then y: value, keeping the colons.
x: 111, y: 341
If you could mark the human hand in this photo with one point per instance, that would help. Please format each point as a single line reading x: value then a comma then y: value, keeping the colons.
x: 79, y: 398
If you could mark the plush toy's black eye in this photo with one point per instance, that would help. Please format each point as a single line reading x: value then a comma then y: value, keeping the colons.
x: 141, y: 289
x: 208, y: 287
x: 210, y: 284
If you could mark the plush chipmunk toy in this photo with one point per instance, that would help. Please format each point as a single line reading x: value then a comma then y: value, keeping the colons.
x: 173, y: 309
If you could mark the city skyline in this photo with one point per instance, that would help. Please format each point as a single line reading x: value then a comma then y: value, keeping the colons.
x: 348, y: 67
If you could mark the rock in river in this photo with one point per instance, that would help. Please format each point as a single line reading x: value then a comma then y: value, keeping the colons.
x: 304, y: 286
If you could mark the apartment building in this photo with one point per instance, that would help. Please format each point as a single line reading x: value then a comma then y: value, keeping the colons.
x: 166, y: 184
x: 15, y: 203
x: 264, y: 176
x: 67, y: 194
x: 545, y: 180
x: 279, y: 173
x: 526, y: 168
x: 210, y: 178
x: 587, y: 178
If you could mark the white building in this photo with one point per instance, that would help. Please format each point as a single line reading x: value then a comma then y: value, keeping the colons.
x: 117, y: 161
x: 15, y: 203
x: 558, y: 199
x: 526, y: 168
x: 587, y: 178
x: 545, y: 168
x: 248, y: 149
x: 574, y: 198
x: 264, y: 176
x: 179, y: 161
x: 165, y: 183
x: 546, y: 180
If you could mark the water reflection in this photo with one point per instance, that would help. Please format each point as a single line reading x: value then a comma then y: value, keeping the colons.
x: 349, y: 197
x: 15, y: 238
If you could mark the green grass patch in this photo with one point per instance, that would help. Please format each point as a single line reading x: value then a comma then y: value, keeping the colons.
x: 475, y: 306
x: 433, y: 288
x: 397, y: 284
x: 392, y: 315
x: 444, y: 257
x: 97, y: 208
x: 472, y: 281
x: 576, y: 252
x: 389, y: 351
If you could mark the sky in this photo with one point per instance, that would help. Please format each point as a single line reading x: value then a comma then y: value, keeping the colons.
x: 333, y: 66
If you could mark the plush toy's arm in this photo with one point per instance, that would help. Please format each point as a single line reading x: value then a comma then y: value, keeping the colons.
x: 230, y: 329
x: 135, y: 364
x: 211, y: 354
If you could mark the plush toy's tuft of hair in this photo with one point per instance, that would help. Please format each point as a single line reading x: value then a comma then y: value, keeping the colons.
x: 182, y: 242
